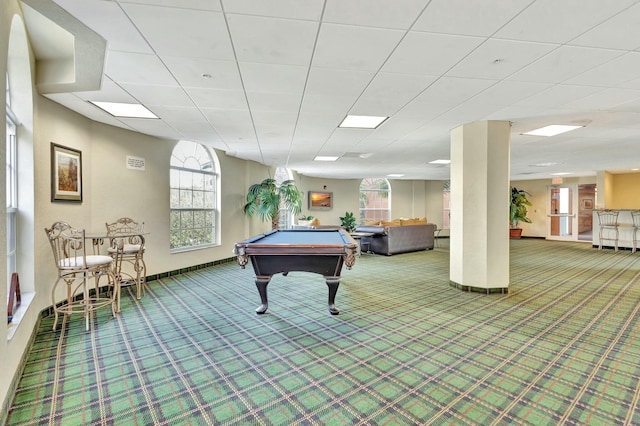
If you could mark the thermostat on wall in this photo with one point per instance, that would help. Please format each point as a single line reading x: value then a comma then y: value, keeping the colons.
x: 135, y: 163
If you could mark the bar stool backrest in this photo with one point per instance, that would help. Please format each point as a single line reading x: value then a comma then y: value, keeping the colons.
x: 608, y: 217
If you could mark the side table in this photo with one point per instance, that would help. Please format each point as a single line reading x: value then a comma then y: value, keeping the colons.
x: 358, y: 237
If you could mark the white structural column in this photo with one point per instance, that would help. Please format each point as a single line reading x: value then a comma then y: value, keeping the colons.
x: 479, y: 235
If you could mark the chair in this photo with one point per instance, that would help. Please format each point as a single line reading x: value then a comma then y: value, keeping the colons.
x: 635, y: 216
x: 436, y: 236
x: 608, y: 220
x: 75, y: 268
x: 128, y: 235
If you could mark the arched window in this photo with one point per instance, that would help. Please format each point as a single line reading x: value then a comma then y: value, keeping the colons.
x: 193, y: 185
x: 12, y: 188
x: 286, y: 217
x: 375, y: 199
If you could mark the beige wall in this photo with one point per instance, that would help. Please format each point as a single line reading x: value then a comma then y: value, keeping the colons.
x: 625, y: 192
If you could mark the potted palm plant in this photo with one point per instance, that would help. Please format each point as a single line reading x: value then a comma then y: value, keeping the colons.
x: 518, y: 211
x: 265, y: 199
x: 348, y: 222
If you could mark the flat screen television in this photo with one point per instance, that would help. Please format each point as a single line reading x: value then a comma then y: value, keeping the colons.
x: 320, y: 200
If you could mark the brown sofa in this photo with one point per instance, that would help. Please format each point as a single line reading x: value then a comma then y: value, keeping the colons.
x: 393, y: 239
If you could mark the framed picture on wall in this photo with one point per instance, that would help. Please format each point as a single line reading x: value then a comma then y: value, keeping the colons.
x: 320, y: 200
x: 66, y: 174
x: 586, y: 204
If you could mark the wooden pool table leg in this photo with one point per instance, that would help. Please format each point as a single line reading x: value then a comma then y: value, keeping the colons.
x: 333, y: 283
x: 261, y: 283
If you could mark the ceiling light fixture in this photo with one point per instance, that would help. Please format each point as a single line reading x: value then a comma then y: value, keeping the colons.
x: 440, y: 162
x: 395, y: 175
x: 561, y: 174
x: 325, y: 158
x: 362, y: 122
x: 552, y: 130
x: 123, y: 110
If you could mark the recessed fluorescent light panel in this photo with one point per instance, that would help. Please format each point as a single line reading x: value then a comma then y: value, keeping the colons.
x: 395, y: 175
x: 362, y: 122
x: 552, y: 130
x: 440, y: 162
x: 125, y: 110
x: 325, y: 158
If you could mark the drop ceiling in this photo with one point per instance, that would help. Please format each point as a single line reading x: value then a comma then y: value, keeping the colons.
x: 270, y: 81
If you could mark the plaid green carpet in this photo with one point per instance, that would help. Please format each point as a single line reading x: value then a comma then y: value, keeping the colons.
x: 561, y: 348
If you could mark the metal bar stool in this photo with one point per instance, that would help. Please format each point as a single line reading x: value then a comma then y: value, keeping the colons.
x: 608, y: 220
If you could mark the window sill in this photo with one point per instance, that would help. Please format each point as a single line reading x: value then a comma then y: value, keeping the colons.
x: 18, y: 315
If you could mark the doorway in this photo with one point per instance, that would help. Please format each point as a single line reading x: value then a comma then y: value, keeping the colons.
x: 570, y: 216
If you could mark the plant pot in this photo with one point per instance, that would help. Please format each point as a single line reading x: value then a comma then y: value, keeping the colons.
x: 304, y: 222
x: 515, y: 233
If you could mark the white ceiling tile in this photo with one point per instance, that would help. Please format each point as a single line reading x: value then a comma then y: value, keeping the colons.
x: 564, y: 63
x: 499, y: 59
x: 232, y: 125
x: 338, y: 82
x: 271, y: 40
x: 214, y: 98
x: 108, y: 19
x: 341, y: 138
x: 395, y: 127
x: 480, y: 18
x: 182, y: 32
x: 559, y: 22
x: 619, y: 32
x: 158, y: 95
x: 452, y: 91
x: 186, y: 4
x: 557, y: 95
x: 606, y: 99
x: 508, y: 92
x: 274, y: 126
x: 315, y: 127
x: 437, y: 53
x: 181, y: 117
x: 137, y: 68
x: 273, y: 78
x: 352, y: 47
x: 388, y: 92
x: 189, y: 72
x: 109, y: 92
x: 152, y: 127
x: 374, y: 13
x: 333, y: 105
x: 613, y: 73
x: 294, y: 9
x: 282, y: 102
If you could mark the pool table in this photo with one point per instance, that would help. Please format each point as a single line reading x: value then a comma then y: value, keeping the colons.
x: 321, y: 251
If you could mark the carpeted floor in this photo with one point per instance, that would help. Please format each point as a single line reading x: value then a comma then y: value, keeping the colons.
x: 561, y: 348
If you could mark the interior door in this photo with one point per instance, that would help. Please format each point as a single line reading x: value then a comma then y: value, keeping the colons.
x: 562, y: 219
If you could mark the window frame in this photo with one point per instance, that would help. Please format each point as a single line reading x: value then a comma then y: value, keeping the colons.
x: 286, y: 219
x: 11, y: 196
x: 203, y: 186
x: 380, y: 213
